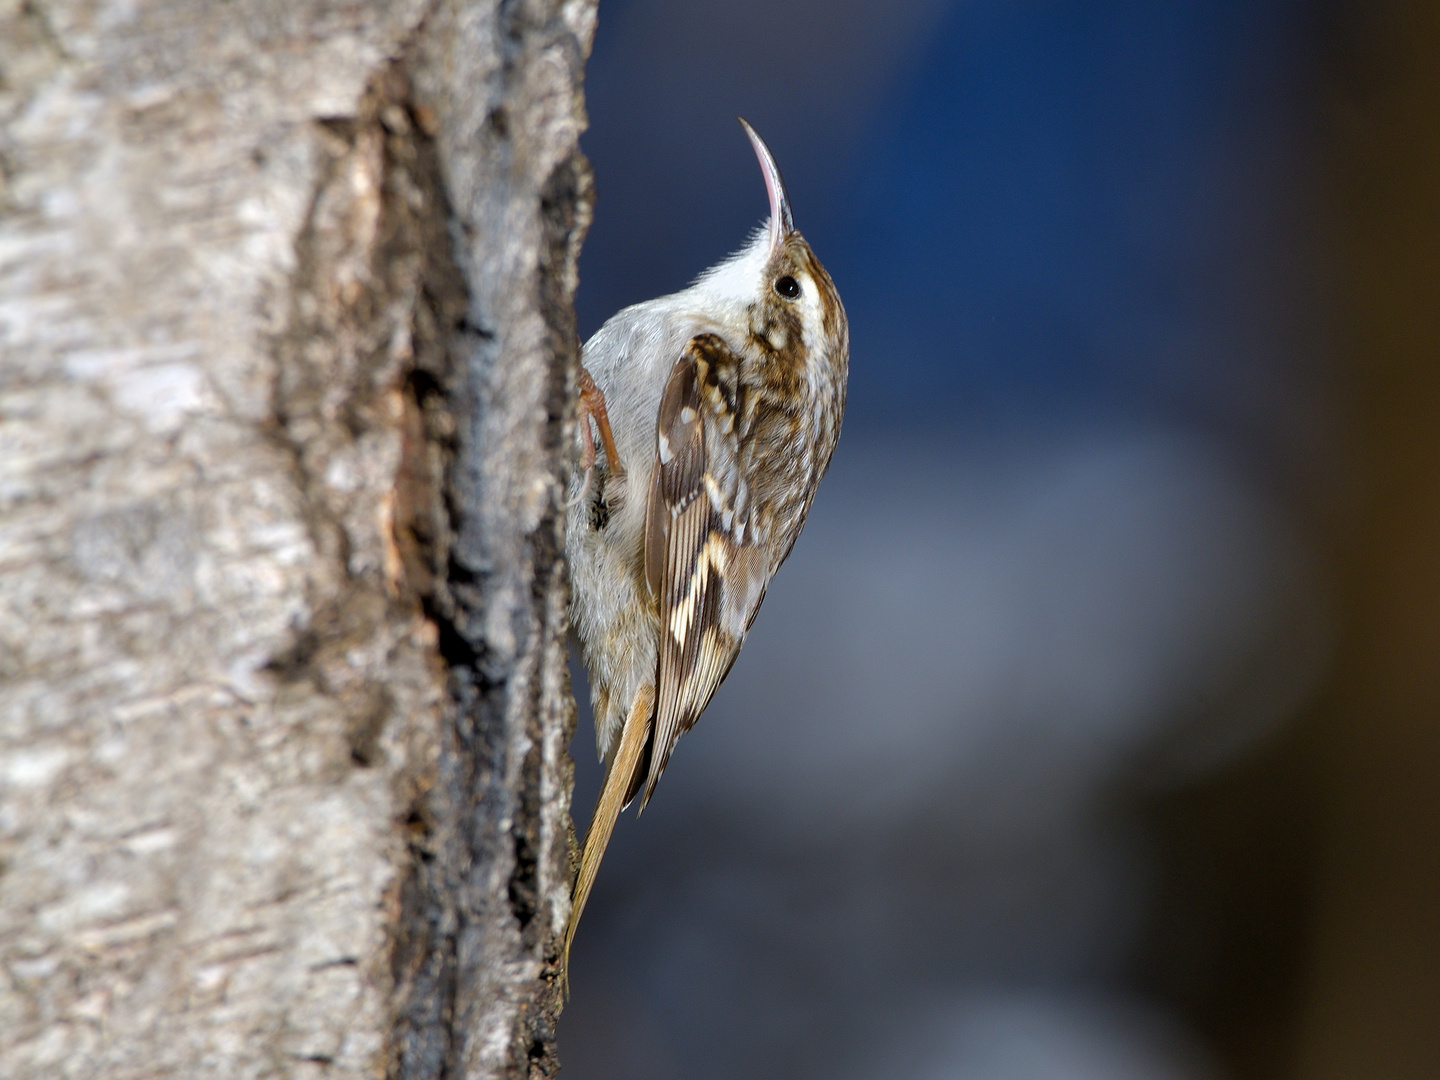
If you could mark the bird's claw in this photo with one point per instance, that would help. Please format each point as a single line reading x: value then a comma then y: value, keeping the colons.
x: 584, y: 491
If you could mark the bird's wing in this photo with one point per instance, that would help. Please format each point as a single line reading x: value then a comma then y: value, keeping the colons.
x: 702, y: 562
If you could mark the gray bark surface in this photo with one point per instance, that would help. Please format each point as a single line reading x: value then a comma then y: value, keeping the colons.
x: 286, y: 357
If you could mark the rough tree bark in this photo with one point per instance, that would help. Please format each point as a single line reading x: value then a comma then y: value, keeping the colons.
x: 286, y: 352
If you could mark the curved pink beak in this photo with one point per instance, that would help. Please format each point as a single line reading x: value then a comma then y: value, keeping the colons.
x: 780, y: 220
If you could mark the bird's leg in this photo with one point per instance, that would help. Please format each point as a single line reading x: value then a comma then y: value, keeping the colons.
x: 592, y: 405
x: 607, y: 809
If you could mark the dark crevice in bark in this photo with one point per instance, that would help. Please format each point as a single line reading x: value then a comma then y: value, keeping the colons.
x: 479, y: 816
x: 421, y: 1042
x: 410, y: 283
x: 336, y: 366
x: 487, y: 813
x: 452, y: 837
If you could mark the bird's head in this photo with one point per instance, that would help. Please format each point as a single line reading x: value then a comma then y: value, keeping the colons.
x: 777, y: 288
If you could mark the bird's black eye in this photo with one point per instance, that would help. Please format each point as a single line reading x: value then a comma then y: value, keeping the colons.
x: 788, y: 287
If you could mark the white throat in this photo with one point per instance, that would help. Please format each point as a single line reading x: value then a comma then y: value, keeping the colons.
x: 737, y: 280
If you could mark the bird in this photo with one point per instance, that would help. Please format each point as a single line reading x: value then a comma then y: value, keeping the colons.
x: 717, y: 409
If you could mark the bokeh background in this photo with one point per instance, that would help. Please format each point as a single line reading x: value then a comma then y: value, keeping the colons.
x: 1091, y: 730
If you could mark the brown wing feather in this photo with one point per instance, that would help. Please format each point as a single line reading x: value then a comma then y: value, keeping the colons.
x: 705, y: 575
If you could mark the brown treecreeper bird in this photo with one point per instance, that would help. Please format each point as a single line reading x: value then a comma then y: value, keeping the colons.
x: 717, y: 409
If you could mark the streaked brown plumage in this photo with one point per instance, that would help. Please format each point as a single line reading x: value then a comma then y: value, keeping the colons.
x: 725, y: 402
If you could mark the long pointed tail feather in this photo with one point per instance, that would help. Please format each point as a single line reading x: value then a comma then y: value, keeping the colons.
x: 619, y: 783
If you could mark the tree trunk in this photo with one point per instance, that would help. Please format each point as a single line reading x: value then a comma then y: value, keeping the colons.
x: 286, y: 361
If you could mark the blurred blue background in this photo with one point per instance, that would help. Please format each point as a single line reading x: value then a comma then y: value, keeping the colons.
x: 1067, y: 564
x: 1100, y: 208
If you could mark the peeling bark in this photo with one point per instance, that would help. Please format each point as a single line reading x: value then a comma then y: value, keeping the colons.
x: 286, y: 363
